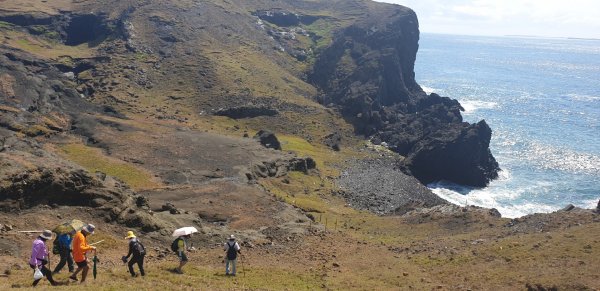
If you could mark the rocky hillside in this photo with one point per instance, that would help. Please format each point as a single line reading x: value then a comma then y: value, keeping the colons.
x: 258, y: 59
x: 290, y: 123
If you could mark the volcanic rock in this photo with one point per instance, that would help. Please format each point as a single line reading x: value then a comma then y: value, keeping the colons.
x: 376, y: 185
x: 368, y: 72
x: 268, y: 139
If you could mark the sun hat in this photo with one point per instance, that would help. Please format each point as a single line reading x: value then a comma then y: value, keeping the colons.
x: 130, y: 235
x: 89, y: 228
x: 232, y: 237
x: 46, y: 234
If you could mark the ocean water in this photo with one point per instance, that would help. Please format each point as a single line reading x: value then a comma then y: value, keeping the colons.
x: 541, y: 97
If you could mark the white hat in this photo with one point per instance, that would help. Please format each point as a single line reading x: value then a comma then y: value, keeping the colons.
x: 232, y: 237
x: 46, y: 234
x: 89, y: 228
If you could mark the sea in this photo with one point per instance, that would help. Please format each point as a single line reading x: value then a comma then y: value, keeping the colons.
x: 541, y: 97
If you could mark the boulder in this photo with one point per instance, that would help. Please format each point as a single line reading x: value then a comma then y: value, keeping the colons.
x: 456, y: 152
x: 568, y: 208
x: 301, y: 164
x: 171, y: 208
x: 268, y: 139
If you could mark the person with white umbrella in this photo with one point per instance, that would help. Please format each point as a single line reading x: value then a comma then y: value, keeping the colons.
x: 180, y: 245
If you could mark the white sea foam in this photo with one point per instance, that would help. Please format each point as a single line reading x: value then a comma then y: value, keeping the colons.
x: 429, y: 90
x: 590, y: 204
x: 510, y: 203
x: 471, y: 106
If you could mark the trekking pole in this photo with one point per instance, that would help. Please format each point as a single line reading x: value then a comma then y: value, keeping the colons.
x: 242, y: 266
x: 49, y: 266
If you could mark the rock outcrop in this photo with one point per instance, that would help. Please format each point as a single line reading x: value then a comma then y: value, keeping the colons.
x: 268, y: 139
x: 280, y: 167
x: 58, y: 183
x: 368, y: 72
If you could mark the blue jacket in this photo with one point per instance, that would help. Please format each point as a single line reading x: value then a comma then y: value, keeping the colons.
x: 64, y: 241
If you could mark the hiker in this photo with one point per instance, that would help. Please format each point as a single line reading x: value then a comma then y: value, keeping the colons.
x: 232, y: 248
x: 64, y: 250
x: 80, y: 248
x: 137, y: 253
x: 39, y: 257
x: 180, y: 245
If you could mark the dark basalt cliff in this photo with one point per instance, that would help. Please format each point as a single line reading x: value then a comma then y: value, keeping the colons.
x: 368, y: 72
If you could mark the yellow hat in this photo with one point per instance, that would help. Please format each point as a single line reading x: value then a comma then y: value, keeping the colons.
x: 130, y: 235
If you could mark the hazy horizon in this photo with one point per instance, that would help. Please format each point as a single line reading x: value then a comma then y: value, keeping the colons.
x: 578, y: 19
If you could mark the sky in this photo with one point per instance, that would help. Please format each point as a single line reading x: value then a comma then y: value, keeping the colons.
x: 552, y: 18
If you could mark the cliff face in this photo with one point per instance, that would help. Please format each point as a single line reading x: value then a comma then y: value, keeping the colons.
x: 368, y: 72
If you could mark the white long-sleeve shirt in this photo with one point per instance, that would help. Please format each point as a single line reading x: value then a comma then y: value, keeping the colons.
x: 228, y: 244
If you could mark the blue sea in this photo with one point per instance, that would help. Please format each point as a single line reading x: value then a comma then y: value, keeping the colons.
x: 541, y: 97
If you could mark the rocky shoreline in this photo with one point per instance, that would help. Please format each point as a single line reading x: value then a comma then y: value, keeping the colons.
x: 378, y: 186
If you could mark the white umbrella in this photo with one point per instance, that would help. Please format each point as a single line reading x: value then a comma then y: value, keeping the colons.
x: 184, y: 231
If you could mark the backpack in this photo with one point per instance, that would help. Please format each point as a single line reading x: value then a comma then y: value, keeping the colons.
x: 56, y: 246
x: 175, y: 245
x: 139, y: 249
x: 231, y: 252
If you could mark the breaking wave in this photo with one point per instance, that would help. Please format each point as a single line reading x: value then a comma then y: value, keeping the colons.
x: 429, y: 90
x: 471, y: 106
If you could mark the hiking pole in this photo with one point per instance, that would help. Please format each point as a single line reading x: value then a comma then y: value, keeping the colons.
x: 49, y: 266
x: 242, y: 266
x: 96, y: 243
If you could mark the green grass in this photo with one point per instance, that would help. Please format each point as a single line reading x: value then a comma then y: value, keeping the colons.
x: 6, y: 25
x: 93, y: 160
x: 44, y: 45
x: 196, y: 277
x: 323, y: 30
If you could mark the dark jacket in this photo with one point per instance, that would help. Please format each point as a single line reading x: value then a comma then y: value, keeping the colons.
x: 132, y: 249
